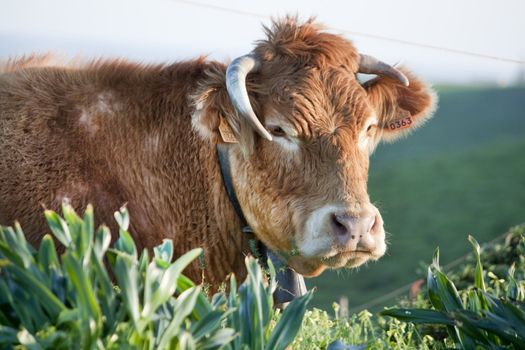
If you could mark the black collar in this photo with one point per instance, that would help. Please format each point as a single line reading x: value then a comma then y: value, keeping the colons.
x: 290, y: 285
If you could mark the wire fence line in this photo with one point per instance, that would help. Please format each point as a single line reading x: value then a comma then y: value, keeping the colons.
x: 362, y: 34
x: 224, y: 9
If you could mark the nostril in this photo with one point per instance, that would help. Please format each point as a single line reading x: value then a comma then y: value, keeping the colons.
x: 339, y: 228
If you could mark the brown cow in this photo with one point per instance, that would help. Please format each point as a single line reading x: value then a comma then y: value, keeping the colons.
x: 114, y: 132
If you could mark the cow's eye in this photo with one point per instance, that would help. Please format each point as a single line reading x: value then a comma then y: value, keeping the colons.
x: 371, y: 129
x: 277, y: 131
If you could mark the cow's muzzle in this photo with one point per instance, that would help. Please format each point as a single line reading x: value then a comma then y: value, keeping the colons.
x: 339, y: 237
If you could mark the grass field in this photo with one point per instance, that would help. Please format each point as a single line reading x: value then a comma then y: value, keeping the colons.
x: 464, y: 172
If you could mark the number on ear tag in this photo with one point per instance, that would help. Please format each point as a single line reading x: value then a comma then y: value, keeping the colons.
x: 405, y: 122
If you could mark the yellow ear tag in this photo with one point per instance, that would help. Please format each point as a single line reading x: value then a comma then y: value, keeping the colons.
x: 226, y: 132
x: 403, y: 123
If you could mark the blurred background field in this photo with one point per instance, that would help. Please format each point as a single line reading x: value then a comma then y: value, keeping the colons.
x: 462, y: 173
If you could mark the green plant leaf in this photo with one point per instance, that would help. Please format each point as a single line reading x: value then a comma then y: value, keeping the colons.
x: 514, y: 289
x: 164, y: 251
x: 74, y: 224
x: 126, y: 273
x: 83, y: 288
x: 182, y: 308
x: 58, y: 227
x: 435, y: 260
x: 251, y: 305
x: 167, y: 281
x: 208, y: 324
x: 234, y: 319
x: 126, y: 245
x: 122, y: 218
x: 478, y: 276
x: 17, y: 249
x: 218, y: 339
x: 444, y: 296
x: 12, y: 257
x: 88, y: 225
x: 68, y: 315
x: 448, y: 292
x: 474, y: 302
x: 186, y: 341
x: 102, y: 242
x: 47, y: 255
x: 339, y: 345
x: 8, y: 336
x: 218, y: 300
x: 433, y: 291
x: 419, y: 316
x: 203, y: 306
x: 40, y: 291
x: 288, y: 325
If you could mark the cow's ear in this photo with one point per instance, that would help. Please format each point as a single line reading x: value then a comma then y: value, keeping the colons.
x: 400, y: 109
x: 214, y: 117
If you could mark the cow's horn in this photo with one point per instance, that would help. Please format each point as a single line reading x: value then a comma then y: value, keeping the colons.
x: 371, y: 65
x: 236, y: 85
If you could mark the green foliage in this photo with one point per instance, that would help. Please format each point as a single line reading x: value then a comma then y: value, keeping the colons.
x: 474, y: 317
x: 496, y: 260
x: 363, y: 330
x: 70, y: 302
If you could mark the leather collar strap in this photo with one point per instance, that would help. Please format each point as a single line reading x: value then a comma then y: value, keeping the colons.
x: 290, y: 285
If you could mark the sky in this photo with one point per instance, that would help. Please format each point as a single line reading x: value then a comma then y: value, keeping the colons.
x: 170, y: 30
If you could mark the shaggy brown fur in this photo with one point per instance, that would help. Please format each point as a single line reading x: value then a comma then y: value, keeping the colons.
x: 114, y: 132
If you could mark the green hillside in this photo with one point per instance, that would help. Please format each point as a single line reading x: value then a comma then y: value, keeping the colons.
x: 462, y: 173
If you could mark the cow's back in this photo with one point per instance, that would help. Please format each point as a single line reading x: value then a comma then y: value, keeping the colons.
x: 66, y: 133
x: 113, y: 133
x: 42, y: 154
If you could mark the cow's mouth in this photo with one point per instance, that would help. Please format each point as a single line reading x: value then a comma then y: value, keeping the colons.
x: 347, y: 259
x: 313, y: 266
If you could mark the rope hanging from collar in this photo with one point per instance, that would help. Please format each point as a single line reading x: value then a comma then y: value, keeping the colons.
x: 290, y: 284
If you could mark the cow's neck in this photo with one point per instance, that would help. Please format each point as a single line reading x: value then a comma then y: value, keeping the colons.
x: 290, y: 284
x: 170, y: 179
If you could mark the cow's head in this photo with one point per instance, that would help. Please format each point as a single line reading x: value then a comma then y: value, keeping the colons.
x: 305, y: 128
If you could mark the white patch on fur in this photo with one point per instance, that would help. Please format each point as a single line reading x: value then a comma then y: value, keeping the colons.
x: 104, y: 106
x: 380, y: 249
x: 151, y: 143
x: 71, y: 191
x: 316, y: 240
x: 63, y: 198
x: 85, y: 118
x: 196, y: 122
x: 290, y: 142
x: 365, y: 140
x: 87, y: 121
